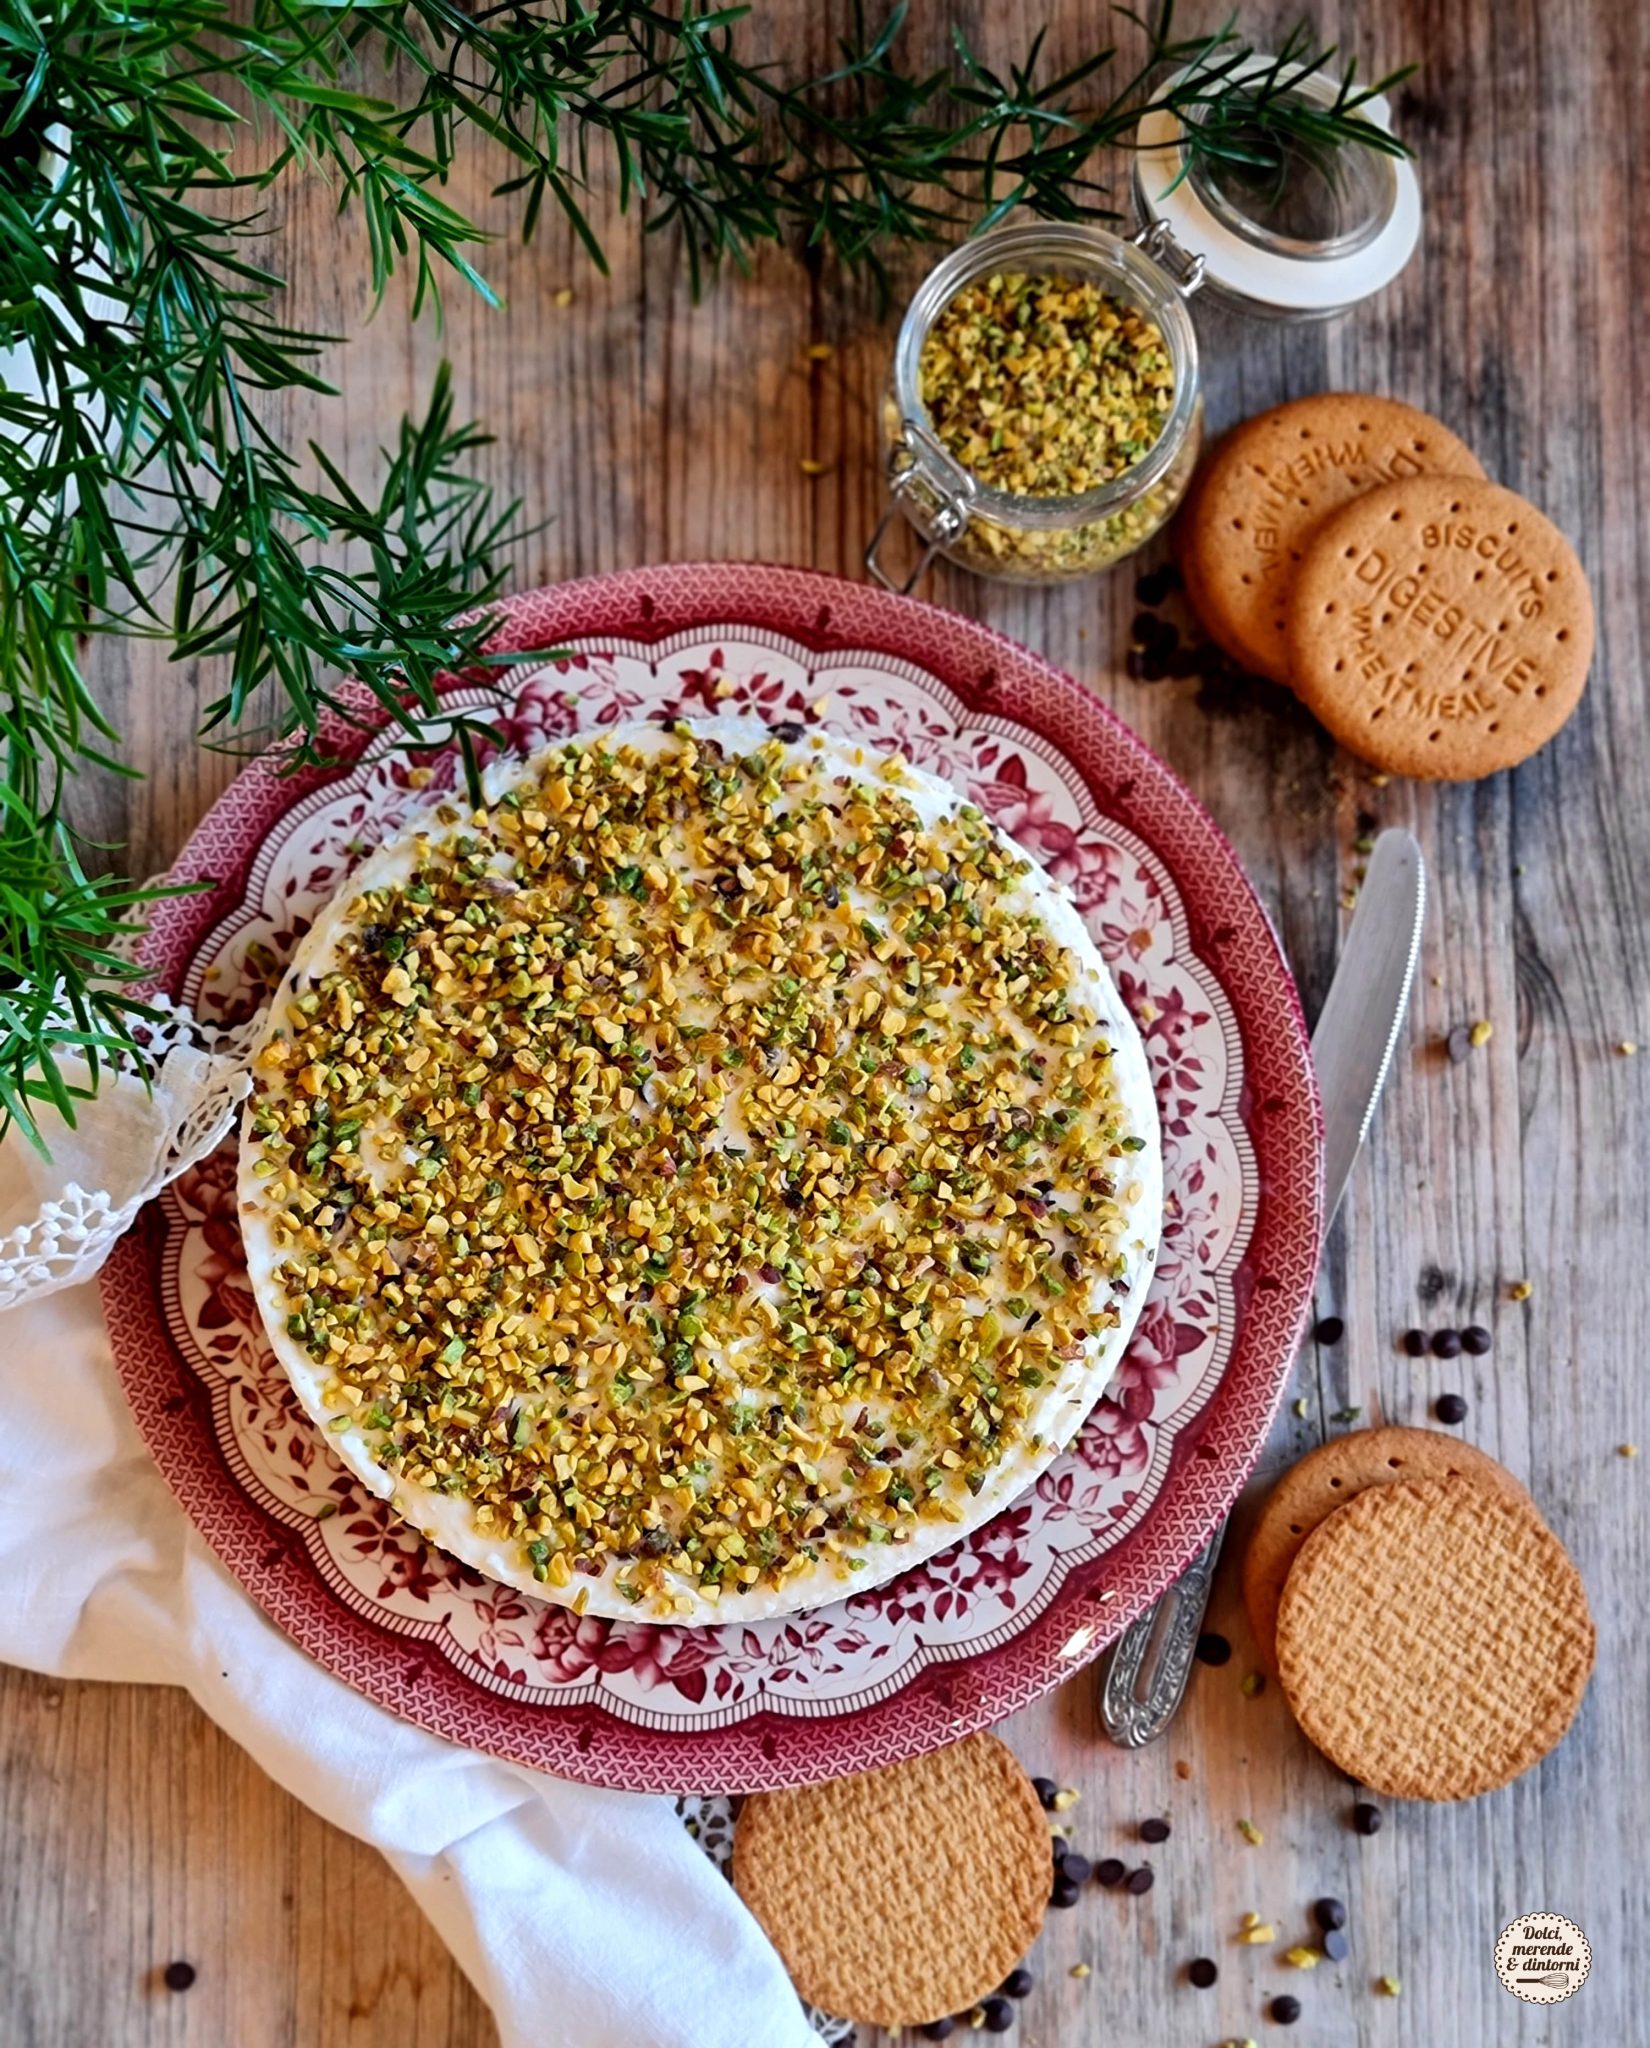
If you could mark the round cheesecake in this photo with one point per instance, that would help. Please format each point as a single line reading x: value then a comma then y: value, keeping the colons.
x: 704, y: 1180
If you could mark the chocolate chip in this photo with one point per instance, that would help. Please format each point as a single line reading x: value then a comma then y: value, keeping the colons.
x: 1203, y: 1972
x: 999, y: 2014
x: 1213, y: 1648
x: 1077, y: 1868
x: 1329, y: 1914
x: 1475, y: 1339
x: 1140, y: 1881
x: 1156, y: 584
x: 1336, y: 1946
x: 178, y: 1976
x: 1415, y: 1343
x: 1450, y: 1408
x: 1155, y: 1830
x: 1446, y: 1343
x: 1047, y: 1791
x: 1109, y: 1871
x: 939, y: 2030
x: 1366, y: 1818
x: 1018, y: 1983
x: 1285, y: 2010
x: 1459, y: 1045
x: 1064, y: 1892
x: 1330, y: 1330
x: 1144, y: 629
x: 788, y: 731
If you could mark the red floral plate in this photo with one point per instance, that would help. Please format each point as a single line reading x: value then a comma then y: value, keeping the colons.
x: 973, y: 1634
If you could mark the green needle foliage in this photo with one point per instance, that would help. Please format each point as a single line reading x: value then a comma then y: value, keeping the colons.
x: 141, y: 490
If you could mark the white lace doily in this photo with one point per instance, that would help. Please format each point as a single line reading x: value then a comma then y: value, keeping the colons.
x: 60, y: 1217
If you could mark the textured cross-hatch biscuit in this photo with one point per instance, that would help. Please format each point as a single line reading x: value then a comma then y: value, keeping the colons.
x: 1326, y: 1480
x: 905, y: 1893
x: 1262, y: 494
x: 1434, y: 1639
x: 1440, y: 628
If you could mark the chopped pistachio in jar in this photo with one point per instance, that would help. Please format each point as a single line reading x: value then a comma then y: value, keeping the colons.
x: 1045, y: 387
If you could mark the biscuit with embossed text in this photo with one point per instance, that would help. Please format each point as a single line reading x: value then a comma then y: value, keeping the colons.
x: 1260, y: 497
x: 1441, y: 627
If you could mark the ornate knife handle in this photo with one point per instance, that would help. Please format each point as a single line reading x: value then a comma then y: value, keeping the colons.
x: 1138, y: 1702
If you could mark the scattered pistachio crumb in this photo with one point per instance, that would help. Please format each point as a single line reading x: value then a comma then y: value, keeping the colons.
x: 1627, y: 1450
x: 820, y: 352
x: 1254, y: 1685
x: 1482, y: 1032
x: 564, y: 297
x: 1389, y: 1987
x: 1520, y: 1290
x: 1249, y: 1920
x: 976, y: 2019
x: 1346, y: 1415
x: 1259, y: 1935
x: 1066, y: 1798
x: 1081, y: 1970
x: 1302, y: 1958
x: 1627, y: 1047
x: 812, y: 465
x: 1250, y: 1833
x: 1299, y: 1405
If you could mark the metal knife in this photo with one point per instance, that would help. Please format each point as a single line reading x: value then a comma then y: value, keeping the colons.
x: 1352, y: 1048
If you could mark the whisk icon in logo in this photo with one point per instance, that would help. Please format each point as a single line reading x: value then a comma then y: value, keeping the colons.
x: 1543, y: 1958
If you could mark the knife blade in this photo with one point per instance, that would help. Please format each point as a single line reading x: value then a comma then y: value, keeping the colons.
x: 1352, y: 1049
x: 1363, y: 1013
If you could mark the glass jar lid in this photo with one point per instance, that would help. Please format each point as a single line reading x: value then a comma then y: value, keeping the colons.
x: 1303, y: 237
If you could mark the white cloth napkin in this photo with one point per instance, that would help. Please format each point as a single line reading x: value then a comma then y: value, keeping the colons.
x: 585, y: 1919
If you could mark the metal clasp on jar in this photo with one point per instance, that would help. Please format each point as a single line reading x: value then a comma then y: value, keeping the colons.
x: 935, y: 493
x: 1177, y: 263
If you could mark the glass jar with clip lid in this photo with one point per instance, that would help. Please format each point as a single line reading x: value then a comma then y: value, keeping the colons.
x: 1015, y: 439
x: 1045, y: 412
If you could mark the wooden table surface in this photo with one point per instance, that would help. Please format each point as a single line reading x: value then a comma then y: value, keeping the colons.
x: 646, y: 429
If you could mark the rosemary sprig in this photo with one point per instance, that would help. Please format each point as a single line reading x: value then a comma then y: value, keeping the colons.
x: 142, y: 489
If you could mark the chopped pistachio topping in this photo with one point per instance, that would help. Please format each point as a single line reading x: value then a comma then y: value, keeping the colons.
x: 698, y: 1163
x: 1045, y: 386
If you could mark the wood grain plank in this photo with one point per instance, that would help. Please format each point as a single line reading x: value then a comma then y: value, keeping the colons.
x: 645, y: 427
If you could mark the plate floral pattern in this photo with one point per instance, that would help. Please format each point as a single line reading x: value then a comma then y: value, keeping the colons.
x: 971, y: 1634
